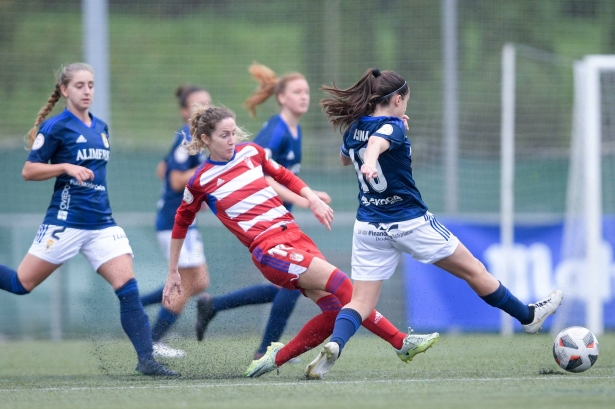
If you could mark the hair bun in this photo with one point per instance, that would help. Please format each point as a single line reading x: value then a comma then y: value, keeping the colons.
x: 376, y: 72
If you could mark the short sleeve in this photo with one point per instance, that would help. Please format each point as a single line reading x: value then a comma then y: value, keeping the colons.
x: 344, y: 148
x: 393, y: 133
x: 44, y: 147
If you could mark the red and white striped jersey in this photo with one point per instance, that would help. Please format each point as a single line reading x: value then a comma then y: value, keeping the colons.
x: 238, y: 194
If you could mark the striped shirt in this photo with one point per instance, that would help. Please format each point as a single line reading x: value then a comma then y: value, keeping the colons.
x: 238, y: 194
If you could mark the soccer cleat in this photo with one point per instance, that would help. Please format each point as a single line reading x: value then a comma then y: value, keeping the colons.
x: 415, y: 344
x: 295, y: 360
x: 151, y: 367
x: 542, y: 310
x: 266, y: 363
x: 204, y: 314
x: 162, y: 350
x: 318, y: 368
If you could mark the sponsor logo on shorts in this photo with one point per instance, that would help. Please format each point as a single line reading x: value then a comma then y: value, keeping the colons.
x: 380, y: 202
x: 296, y: 257
x: 119, y: 236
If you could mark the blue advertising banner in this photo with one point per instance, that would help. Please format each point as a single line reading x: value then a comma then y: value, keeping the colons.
x: 438, y: 301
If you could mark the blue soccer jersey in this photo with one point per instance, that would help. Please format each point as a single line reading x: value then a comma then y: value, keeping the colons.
x: 285, y: 149
x: 393, y: 195
x: 177, y: 159
x: 66, y: 139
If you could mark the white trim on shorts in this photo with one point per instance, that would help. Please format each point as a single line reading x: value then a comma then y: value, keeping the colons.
x: 377, y: 247
x: 192, y: 253
x: 58, y: 244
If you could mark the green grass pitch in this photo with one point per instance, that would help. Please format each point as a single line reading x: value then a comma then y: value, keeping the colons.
x: 460, y: 371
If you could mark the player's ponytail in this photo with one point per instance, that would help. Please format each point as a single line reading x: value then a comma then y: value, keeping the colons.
x: 268, y: 84
x: 63, y: 79
x: 42, y: 114
x: 203, y: 121
x: 345, y: 106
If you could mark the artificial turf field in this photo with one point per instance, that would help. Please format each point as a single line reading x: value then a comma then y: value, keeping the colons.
x: 460, y: 371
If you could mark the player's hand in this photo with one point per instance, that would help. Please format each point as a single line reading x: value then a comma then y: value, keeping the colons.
x: 405, y: 120
x: 173, y: 283
x: 324, y: 196
x: 79, y: 172
x: 369, y: 172
x: 322, y: 212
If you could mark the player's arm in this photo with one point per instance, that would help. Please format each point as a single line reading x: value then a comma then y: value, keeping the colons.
x: 286, y: 195
x: 375, y: 146
x: 161, y: 169
x: 178, y: 178
x: 43, y: 171
x: 174, y: 280
x: 184, y: 217
x: 345, y: 159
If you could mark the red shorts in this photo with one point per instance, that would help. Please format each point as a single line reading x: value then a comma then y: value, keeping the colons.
x: 283, y: 256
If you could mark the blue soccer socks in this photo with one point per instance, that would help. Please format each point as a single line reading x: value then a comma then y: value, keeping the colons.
x: 507, y: 302
x: 9, y: 281
x: 134, y: 320
x: 347, y: 323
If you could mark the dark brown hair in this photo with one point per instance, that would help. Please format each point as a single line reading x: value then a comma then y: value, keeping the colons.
x: 375, y: 88
x: 184, y: 91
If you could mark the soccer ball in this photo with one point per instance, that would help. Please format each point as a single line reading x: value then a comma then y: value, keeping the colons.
x: 575, y: 349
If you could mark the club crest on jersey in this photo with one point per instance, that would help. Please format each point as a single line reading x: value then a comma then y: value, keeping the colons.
x: 105, y: 140
x: 38, y: 142
x: 248, y: 162
x: 188, y: 197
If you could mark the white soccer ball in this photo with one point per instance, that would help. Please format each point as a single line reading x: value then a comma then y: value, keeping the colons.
x: 575, y: 349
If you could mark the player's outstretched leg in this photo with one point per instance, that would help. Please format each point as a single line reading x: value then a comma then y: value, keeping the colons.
x: 208, y: 306
x: 9, y: 281
x: 281, y: 308
x: 312, y: 334
x: 155, y: 297
x: 136, y: 325
x: 542, y: 310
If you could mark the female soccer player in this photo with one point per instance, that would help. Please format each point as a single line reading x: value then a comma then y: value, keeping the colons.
x: 73, y: 147
x: 392, y: 217
x: 232, y: 183
x: 281, y: 137
x: 176, y: 169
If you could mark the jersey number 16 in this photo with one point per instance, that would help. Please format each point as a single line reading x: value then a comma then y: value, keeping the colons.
x: 379, y: 184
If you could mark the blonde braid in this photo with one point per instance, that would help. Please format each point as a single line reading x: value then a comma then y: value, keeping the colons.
x: 42, y: 114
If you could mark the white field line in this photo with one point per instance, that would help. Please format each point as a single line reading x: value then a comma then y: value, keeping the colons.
x: 176, y: 385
